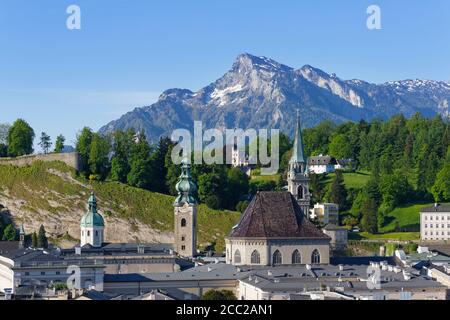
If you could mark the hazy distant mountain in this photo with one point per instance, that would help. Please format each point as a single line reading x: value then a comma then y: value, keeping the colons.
x: 261, y: 93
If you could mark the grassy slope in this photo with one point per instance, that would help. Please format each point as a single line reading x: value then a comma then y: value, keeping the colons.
x: 407, y: 217
x: 37, y: 186
x: 352, y: 180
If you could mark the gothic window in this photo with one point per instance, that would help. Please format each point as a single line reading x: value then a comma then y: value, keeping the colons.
x: 89, y: 233
x: 277, y: 258
x: 315, y: 257
x: 183, y: 248
x: 183, y: 222
x: 237, y: 256
x: 296, y: 257
x: 300, y: 192
x: 255, y: 258
x: 96, y: 233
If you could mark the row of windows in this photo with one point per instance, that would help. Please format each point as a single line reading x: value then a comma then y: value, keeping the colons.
x: 89, y: 233
x: 437, y: 225
x: 42, y: 273
x: 437, y: 217
x: 277, y: 257
x: 437, y: 233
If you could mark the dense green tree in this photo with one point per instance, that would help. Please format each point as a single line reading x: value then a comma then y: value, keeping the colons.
x: 369, y: 221
x: 140, y: 164
x: 20, y: 139
x: 340, y: 147
x: 3, y: 150
x: 317, y: 187
x: 139, y: 175
x: 157, y: 163
x: 34, y: 240
x: 99, y: 156
x: 220, y: 295
x: 237, y: 186
x: 83, y: 147
x: 242, y: 206
x: 395, y: 190
x: 42, y: 241
x: 441, y: 188
x: 122, y: 143
x: 45, y: 142
x: 209, y: 185
x: 59, y: 143
x: 10, y: 233
x: 337, y: 193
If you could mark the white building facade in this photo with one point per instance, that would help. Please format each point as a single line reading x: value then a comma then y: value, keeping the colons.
x: 435, y: 223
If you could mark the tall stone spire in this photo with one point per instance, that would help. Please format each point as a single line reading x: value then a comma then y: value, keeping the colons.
x: 185, y: 213
x: 298, y: 181
x: 298, y: 153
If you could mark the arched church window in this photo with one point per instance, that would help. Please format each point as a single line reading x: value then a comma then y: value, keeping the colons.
x: 277, y: 258
x: 296, y: 257
x: 237, y: 256
x: 255, y: 258
x: 315, y: 257
x: 300, y: 192
x: 183, y: 222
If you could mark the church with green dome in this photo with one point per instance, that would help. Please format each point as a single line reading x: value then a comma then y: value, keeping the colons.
x: 92, y: 225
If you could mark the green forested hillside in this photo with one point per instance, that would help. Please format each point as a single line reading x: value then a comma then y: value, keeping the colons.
x: 53, y: 187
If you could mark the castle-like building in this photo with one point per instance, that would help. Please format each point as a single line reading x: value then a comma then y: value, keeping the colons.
x: 275, y: 229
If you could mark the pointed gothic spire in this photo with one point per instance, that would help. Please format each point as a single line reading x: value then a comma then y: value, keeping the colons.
x: 298, y: 153
x: 186, y: 187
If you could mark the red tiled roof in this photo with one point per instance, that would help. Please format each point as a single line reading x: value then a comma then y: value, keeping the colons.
x: 275, y: 215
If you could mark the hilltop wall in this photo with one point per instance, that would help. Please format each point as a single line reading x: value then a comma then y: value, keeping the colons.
x: 72, y: 159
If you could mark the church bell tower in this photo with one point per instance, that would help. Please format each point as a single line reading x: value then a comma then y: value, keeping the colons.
x: 185, y: 211
x: 298, y: 180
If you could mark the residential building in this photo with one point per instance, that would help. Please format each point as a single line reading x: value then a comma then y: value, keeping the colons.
x: 435, y: 223
x: 325, y: 213
x: 338, y: 235
x: 321, y: 164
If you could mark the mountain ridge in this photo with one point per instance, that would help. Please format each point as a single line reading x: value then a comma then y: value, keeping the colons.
x: 259, y: 92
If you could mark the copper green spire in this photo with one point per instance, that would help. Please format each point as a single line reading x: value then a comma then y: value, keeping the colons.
x: 298, y: 153
x: 186, y: 187
x: 92, y: 217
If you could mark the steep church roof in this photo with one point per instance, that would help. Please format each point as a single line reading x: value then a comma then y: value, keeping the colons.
x: 275, y: 215
x: 298, y: 153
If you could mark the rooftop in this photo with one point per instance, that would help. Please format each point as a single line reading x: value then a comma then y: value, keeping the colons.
x: 275, y: 215
x: 437, y: 208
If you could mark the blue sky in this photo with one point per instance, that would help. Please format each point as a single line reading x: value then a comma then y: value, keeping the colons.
x: 128, y: 52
